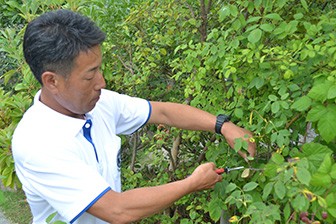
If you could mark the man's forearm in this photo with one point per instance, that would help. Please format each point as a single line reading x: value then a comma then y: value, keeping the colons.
x: 139, y: 203
x: 190, y: 118
x: 182, y: 116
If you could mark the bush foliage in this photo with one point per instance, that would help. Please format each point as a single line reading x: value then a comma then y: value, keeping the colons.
x: 270, y: 64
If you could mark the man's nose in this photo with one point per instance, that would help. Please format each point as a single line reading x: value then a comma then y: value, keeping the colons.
x: 101, y: 84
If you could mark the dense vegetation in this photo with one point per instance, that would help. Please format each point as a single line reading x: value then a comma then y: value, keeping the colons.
x: 268, y: 63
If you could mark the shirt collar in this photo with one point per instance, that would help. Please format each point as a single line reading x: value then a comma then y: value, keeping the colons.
x: 67, y: 125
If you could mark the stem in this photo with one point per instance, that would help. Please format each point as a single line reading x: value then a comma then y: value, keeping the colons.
x: 290, y: 217
x: 293, y: 120
x: 325, y: 196
x: 202, y: 155
x: 305, y: 136
x: 134, y: 150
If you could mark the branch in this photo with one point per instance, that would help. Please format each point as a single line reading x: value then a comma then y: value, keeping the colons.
x: 191, y: 10
x: 134, y: 150
x: 202, y: 155
x: 293, y: 120
x: 208, y: 7
x: 128, y: 68
x: 203, y: 27
x: 174, y: 152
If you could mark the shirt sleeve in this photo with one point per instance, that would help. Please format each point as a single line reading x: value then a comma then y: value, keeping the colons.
x: 129, y: 113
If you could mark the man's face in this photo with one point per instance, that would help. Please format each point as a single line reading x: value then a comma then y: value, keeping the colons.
x: 79, y: 93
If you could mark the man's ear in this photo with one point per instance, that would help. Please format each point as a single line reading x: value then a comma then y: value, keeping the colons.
x: 50, y: 81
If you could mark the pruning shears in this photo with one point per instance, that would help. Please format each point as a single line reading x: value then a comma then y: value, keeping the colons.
x: 225, y: 170
x: 228, y: 170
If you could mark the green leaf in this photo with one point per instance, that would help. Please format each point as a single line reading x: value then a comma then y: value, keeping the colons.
x: 267, y: 27
x: 223, y: 13
x: 293, y: 87
x: 326, y: 125
x: 275, y: 107
x: 289, y: 73
x: 250, y: 186
x: 8, y: 75
x: 163, y: 51
x: 332, y: 92
x: 298, y: 16
x: 50, y: 217
x: 304, y: 4
x: 317, y: 112
x: 239, y: 113
x: 274, y: 16
x: 280, y: 189
x: 326, y: 165
x: 287, y: 211
x: 272, y: 97
x: 192, y: 21
x: 322, y: 202
x: 13, y: 4
x: 238, y: 144
x: 332, y: 210
x: 302, y: 104
x: 233, y: 10
x: 303, y: 176
x: 215, y: 209
x: 333, y: 171
x: 267, y: 190
x: 320, y: 91
x: 270, y: 170
x: 255, y: 36
x: 277, y: 158
x: 315, y: 154
x: 231, y: 187
x: 320, y: 180
x: 284, y: 105
x: 236, y: 25
x: 300, y: 203
x: 280, y: 140
x: 293, y: 191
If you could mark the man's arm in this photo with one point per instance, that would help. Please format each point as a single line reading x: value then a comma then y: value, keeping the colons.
x: 139, y: 203
x: 190, y: 118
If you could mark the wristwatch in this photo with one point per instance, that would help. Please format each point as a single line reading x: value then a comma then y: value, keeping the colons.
x: 220, y: 121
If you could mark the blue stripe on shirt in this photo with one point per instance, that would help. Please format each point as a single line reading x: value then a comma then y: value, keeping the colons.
x: 87, y: 207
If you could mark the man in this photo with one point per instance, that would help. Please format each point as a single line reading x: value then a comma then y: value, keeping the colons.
x: 66, y: 148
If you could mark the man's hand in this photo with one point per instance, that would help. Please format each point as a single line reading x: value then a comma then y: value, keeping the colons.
x: 204, y: 177
x: 231, y: 131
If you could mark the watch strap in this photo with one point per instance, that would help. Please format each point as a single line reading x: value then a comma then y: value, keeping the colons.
x: 220, y: 121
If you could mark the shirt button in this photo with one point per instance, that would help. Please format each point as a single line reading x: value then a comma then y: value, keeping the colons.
x: 87, y: 125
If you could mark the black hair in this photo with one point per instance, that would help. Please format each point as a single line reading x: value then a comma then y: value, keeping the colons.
x: 53, y: 40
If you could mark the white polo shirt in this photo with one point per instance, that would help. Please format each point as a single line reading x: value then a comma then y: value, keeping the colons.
x: 58, y: 167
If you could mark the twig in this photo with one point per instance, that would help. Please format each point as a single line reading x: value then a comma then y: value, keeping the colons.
x: 305, y: 136
x: 208, y: 7
x: 291, y: 217
x: 202, y: 155
x: 191, y: 10
x: 293, y: 120
x: 134, y: 150
x: 128, y: 68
